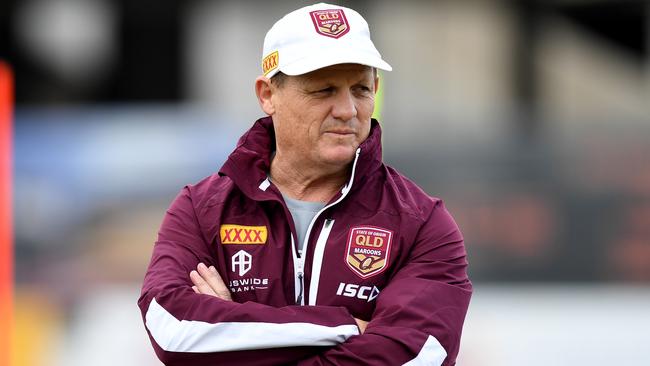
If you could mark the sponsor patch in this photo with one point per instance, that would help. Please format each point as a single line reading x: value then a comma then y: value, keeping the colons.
x: 270, y: 62
x: 356, y: 291
x: 330, y: 23
x: 241, y: 262
x: 248, y: 284
x: 239, y: 234
x: 368, y: 250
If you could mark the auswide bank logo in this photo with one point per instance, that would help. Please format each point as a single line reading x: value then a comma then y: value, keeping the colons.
x: 241, y: 262
x: 248, y: 284
x: 368, y: 250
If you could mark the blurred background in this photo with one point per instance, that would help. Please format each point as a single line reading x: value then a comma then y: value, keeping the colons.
x: 531, y: 119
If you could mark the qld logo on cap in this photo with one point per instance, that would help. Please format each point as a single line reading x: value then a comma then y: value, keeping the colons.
x: 330, y: 23
x: 368, y: 250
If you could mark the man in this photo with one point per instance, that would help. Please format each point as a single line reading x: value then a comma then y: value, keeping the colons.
x: 305, y: 248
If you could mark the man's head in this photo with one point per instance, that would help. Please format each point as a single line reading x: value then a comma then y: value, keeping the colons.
x: 319, y: 83
x: 321, y: 116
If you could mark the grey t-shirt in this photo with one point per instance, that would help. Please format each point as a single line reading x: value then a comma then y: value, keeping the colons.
x: 302, y: 213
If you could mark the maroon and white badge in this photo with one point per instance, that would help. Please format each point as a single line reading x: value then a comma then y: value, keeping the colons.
x: 368, y: 250
x: 330, y: 23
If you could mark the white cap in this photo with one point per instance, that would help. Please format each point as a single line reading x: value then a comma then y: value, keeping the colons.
x: 318, y: 36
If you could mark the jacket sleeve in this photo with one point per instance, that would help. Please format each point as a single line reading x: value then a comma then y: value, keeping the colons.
x: 419, y: 315
x: 188, y: 328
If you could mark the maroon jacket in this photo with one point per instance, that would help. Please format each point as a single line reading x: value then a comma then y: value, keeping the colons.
x: 382, y: 250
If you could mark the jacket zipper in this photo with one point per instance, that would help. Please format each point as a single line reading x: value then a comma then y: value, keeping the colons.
x: 299, y: 260
x: 301, y: 280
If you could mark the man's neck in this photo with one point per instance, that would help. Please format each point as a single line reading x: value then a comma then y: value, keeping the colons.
x: 307, y: 183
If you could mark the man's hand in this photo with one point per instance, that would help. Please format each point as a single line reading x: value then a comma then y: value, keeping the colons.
x: 208, y: 282
x: 362, y: 324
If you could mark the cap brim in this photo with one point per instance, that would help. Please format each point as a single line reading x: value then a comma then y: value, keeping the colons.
x: 319, y: 61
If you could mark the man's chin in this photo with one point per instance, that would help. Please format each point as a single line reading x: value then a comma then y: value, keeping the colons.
x: 339, y: 156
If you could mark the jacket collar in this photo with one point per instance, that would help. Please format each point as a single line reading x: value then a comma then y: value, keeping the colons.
x: 249, y: 164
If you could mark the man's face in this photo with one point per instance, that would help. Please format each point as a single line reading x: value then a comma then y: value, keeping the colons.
x: 323, y: 116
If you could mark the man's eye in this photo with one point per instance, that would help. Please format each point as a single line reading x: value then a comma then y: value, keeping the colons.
x: 363, y: 89
x: 325, y: 90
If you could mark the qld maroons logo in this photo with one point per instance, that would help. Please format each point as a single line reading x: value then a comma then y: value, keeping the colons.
x: 368, y: 250
x: 330, y: 23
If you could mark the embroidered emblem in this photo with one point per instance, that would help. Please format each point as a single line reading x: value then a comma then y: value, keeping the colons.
x: 368, y: 250
x: 270, y: 62
x: 330, y: 23
x: 243, y: 261
x: 239, y: 234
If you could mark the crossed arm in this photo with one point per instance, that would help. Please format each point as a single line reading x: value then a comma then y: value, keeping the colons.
x: 207, y: 281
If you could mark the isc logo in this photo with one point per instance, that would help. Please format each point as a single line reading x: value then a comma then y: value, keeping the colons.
x: 360, y: 292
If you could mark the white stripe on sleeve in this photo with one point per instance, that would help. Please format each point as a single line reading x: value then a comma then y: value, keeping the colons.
x: 431, y: 354
x: 194, y: 336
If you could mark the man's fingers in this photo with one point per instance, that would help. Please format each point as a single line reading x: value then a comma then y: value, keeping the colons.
x: 211, y: 276
x: 201, y: 285
x: 208, y: 282
x: 362, y: 324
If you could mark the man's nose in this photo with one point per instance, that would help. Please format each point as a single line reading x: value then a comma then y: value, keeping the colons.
x: 344, y: 107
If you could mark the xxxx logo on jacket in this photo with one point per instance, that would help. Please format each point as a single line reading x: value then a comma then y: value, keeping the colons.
x: 240, y: 234
x: 368, y: 250
x: 330, y: 23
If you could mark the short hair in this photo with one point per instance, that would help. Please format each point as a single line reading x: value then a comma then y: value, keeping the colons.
x: 279, y: 79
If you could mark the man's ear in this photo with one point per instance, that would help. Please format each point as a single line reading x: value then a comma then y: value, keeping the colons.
x: 264, y: 91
